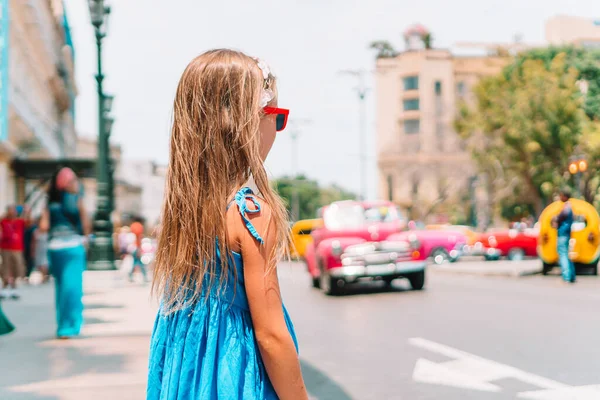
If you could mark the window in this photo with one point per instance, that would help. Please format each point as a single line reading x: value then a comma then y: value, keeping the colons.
x: 411, y: 83
x: 390, y: 187
x: 438, y: 88
x: 411, y: 105
x: 461, y: 88
x: 412, y: 126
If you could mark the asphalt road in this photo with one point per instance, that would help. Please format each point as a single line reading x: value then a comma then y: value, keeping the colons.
x: 522, y: 334
x: 463, y: 337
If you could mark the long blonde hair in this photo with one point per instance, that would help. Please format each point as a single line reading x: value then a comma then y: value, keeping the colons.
x: 215, y: 150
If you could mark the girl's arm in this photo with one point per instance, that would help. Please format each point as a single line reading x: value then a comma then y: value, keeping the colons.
x: 262, y: 288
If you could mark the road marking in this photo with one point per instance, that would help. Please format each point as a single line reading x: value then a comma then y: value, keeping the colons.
x: 591, y: 392
x: 439, y: 374
x: 478, y: 368
x: 468, y: 371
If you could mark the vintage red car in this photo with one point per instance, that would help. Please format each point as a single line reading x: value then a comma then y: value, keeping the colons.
x: 514, y: 244
x: 354, y: 244
x: 442, y: 246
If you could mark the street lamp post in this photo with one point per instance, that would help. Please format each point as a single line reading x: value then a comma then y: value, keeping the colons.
x: 362, y: 123
x: 577, y: 167
x: 102, y: 252
x: 295, y: 195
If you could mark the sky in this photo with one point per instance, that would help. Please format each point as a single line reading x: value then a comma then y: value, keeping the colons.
x: 306, y: 42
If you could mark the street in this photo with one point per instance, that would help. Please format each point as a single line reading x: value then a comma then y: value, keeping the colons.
x: 463, y: 337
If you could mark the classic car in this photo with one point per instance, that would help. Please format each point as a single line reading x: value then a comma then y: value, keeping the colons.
x: 514, y: 244
x: 441, y: 245
x: 301, y: 235
x: 584, y: 247
x: 354, y: 244
x: 466, y: 230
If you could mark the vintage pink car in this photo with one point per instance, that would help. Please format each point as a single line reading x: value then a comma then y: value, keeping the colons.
x: 356, y: 242
x: 441, y: 246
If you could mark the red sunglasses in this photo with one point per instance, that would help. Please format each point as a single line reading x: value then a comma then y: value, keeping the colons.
x: 282, y: 116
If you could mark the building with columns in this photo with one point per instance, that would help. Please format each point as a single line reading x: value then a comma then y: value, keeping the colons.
x: 37, y: 89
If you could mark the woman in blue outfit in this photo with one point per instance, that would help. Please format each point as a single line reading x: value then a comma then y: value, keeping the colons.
x: 222, y: 331
x: 65, y: 221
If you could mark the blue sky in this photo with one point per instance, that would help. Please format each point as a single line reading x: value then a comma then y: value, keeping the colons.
x: 307, y: 42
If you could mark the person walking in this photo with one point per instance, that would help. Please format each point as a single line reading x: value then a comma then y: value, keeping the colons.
x: 12, y: 246
x: 66, y: 222
x: 40, y: 253
x: 137, y: 229
x: 563, y: 223
x: 222, y: 331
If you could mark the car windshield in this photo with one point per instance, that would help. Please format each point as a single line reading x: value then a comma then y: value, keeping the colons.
x: 354, y: 216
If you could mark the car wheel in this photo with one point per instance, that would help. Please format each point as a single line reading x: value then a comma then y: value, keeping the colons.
x: 546, y: 268
x: 316, y: 282
x: 586, y: 269
x: 516, y: 254
x: 388, y: 281
x: 328, y: 284
x: 417, y: 280
x: 440, y: 256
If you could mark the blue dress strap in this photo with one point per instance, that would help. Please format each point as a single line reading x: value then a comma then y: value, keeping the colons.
x: 241, y: 199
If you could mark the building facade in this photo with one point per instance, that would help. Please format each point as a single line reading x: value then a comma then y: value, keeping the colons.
x: 567, y: 30
x: 37, y: 89
x: 151, y: 177
x: 423, y: 164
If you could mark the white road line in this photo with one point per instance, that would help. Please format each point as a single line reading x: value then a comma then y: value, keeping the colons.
x: 591, y: 392
x: 438, y: 374
x: 479, y: 371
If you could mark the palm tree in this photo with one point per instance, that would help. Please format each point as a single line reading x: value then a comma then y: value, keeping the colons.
x: 384, y: 49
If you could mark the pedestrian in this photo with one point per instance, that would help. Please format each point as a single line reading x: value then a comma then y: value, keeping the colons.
x: 40, y: 253
x: 222, y: 331
x: 12, y: 245
x: 137, y: 229
x: 66, y: 223
x: 28, y: 249
x: 563, y: 223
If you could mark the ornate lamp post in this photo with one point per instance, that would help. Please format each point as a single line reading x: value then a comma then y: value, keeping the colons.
x: 102, y: 252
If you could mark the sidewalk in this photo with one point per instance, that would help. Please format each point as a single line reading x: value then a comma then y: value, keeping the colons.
x: 109, y: 360
x: 491, y: 268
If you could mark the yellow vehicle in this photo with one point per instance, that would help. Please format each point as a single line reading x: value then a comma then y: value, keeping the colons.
x: 584, y: 247
x: 301, y: 237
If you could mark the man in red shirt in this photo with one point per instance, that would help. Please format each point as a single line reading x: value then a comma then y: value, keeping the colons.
x: 12, y: 233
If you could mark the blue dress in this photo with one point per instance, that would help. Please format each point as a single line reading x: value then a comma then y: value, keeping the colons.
x: 208, y: 350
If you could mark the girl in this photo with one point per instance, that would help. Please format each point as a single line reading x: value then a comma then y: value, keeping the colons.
x: 65, y: 221
x: 222, y: 331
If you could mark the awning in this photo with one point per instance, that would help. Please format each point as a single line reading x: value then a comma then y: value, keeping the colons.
x: 45, y: 169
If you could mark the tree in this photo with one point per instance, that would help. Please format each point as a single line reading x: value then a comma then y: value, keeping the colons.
x: 310, y: 195
x: 384, y: 49
x: 525, y: 124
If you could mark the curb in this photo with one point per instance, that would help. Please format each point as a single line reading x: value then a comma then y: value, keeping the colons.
x: 506, y: 272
